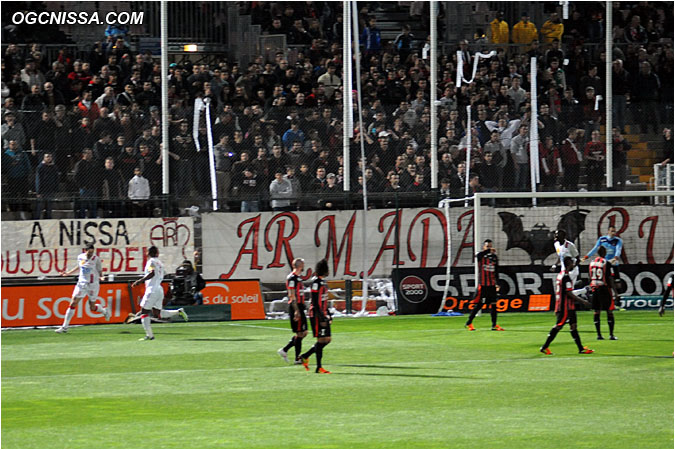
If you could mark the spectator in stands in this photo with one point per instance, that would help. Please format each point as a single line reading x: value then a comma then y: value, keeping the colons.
x: 499, y: 29
x: 87, y: 179
x: 552, y: 29
x: 46, y: 186
x: 248, y: 190
x: 571, y: 157
x: 138, y: 193
x: 644, y: 96
x: 594, y: 153
x: 591, y: 115
x: 371, y: 39
x: 550, y: 163
x: 621, y: 87
x: 112, y: 189
x: 620, y: 148
x: 521, y: 158
x: 281, y: 192
x: 31, y: 75
x: 524, y: 32
x: 635, y: 33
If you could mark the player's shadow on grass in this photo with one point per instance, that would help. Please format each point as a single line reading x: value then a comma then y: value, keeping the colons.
x: 220, y: 339
x: 405, y: 375
x: 372, y: 366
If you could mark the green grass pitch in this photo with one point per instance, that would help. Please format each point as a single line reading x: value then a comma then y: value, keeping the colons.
x: 397, y: 382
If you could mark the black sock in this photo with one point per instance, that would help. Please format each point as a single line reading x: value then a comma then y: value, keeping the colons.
x: 577, y: 339
x: 493, y: 314
x: 551, y: 335
x: 290, y: 344
x: 309, y: 352
x: 298, y: 347
x: 610, y: 322
x: 319, y: 354
x: 473, y: 313
x: 596, y: 321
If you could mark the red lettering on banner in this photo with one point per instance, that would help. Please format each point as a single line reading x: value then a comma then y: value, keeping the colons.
x: 56, y: 260
x: 467, y: 233
x: 331, y: 244
x: 425, y: 236
x: 32, y: 261
x: 6, y: 260
x: 116, y: 253
x: 252, y: 235
x: 650, y: 240
x: 396, y: 219
x: 102, y: 250
x: 167, y: 233
x: 625, y: 220
x: 40, y: 259
x: 129, y: 258
x: 282, y: 242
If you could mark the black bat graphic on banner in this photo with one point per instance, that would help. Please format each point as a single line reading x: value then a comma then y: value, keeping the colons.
x: 538, y: 242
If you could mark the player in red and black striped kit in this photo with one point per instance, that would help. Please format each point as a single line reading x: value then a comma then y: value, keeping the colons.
x: 565, y: 311
x: 488, y: 271
x: 319, y: 317
x: 601, y: 295
x: 296, y: 311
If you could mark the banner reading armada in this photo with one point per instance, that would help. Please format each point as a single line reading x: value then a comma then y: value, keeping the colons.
x: 261, y: 245
x: 46, y: 247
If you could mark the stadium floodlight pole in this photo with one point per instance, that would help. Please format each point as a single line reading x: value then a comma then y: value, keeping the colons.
x: 609, y: 140
x: 212, y: 159
x: 347, y: 108
x: 362, y: 163
x: 164, y: 56
x: 434, y: 94
x: 534, y: 130
x: 468, y: 155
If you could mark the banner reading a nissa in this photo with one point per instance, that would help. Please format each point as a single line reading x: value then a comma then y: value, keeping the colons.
x: 43, y: 305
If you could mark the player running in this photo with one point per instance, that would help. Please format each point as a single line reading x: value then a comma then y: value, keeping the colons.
x: 666, y: 293
x: 565, y: 248
x: 154, y: 294
x: 601, y: 283
x: 320, y: 318
x: 564, y: 309
x: 488, y: 269
x: 613, y: 245
x: 87, y: 286
x: 296, y: 311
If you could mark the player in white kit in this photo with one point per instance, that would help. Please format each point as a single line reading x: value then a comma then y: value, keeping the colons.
x: 87, y: 285
x: 565, y: 248
x: 153, y: 298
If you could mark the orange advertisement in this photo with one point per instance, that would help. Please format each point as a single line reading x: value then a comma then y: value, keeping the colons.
x: 40, y: 305
x: 540, y: 302
x: 244, y: 296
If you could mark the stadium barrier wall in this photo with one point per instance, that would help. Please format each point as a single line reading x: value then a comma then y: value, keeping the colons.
x: 45, y: 305
x: 261, y: 245
x: 46, y: 247
x: 522, y: 288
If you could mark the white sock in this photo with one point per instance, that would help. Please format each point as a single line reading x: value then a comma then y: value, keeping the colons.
x: 579, y: 292
x: 166, y: 313
x: 145, y: 320
x: 98, y: 308
x: 69, y: 315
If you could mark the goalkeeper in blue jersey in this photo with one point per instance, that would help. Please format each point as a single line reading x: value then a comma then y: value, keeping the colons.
x: 613, y: 244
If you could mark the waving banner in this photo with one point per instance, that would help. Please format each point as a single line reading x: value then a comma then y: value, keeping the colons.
x: 46, y: 247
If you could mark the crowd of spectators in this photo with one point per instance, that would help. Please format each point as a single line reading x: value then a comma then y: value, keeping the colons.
x: 93, y: 123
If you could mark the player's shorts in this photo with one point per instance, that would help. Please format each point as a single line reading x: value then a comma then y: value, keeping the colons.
x: 574, y: 275
x: 565, y: 316
x: 153, y: 300
x: 601, y: 299
x: 89, y: 289
x: 300, y: 324
x: 319, y: 330
x: 487, y: 294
